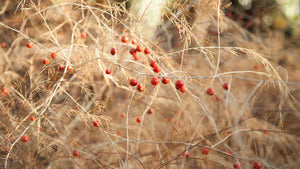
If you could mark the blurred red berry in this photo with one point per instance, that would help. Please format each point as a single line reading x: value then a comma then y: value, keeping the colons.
x: 24, y: 139
x: 3, y: 45
x: 29, y: 45
x: 154, y: 81
x: 237, y: 165
x: 76, y: 153
x: 132, y: 51
x: 182, y: 89
x: 124, y: 39
x: 256, y: 165
x: 165, y: 80
x: 46, y: 61
x: 153, y: 63
x: 53, y: 55
x: 139, y: 120
x: 140, y: 87
x: 61, y: 68
x: 225, y: 86
x: 204, y: 150
x: 156, y: 69
x: 114, y: 51
x: 96, y: 123
x: 178, y: 84
x: 83, y: 35
x: 150, y: 111
x: 31, y: 118
x: 186, y: 154
x: 256, y: 67
x: 210, y: 91
x: 266, y: 132
x: 139, y: 48
x: 135, y: 57
x: 107, y: 71
x: 170, y: 119
x: 146, y: 51
x: 4, y: 91
x: 133, y: 41
x: 133, y: 82
x: 70, y: 68
x: 123, y: 115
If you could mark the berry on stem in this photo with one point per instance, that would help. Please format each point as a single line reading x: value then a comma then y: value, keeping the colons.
x: 46, y: 61
x: 178, y: 84
x: 124, y: 39
x: 133, y: 41
x: 24, y: 139
x: 150, y: 111
x: 53, y: 55
x: 186, y: 154
x: 29, y: 45
x: 182, y: 89
x: 4, y: 91
x: 154, y: 81
x: 133, y: 82
x: 76, y: 153
x: 114, y: 51
x: 153, y: 63
x: 139, y: 48
x: 70, y: 68
x: 132, y: 51
x: 146, y: 51
x: 107, y: 71
x: 156, y: 69
x: 140, y: 87
x: 123, y: 115
x: 31, y: 118
x: 204, y: 150
x: 256, y: 165
x: 96, y: 123
x: 83, y: 35
x: 210, y: 91
x: 237, y: 165
x: 135, y: 57
x: 225, y: 86
x: 165, y: 80
x: 139, y: 120
x: 61, y: 68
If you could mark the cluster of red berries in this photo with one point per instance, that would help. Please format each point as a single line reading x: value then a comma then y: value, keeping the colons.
x: 179, y: 85
x: 4, y: 91
x: 204, y: 151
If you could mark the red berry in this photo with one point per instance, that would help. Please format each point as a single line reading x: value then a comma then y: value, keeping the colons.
x: 107, y: 71
x: 124, y: 39
x: 76, y: 153
x: 31, y: 118
x: 139, y: 48
x: 46, y: 61
x: 140, y: 88
x: 256, y: 165
x: 96, y: 123
x: 146, y: 51
x: 153, y: 63
x: 133, y: 41
x: 156, y: 69
x: 178, y: 84
x: 237, y: 165
x: 139, y: 120
x: 266, y: 132
x: 3, y: 45
x: 4, y: 91
x: 182, y: 89
x: 123, y: 115
x: 29, y: 45
x: 133, y: 82
x: 150, y: 111
x: 53, y: 55
x: 61, y: 68
x: 83, y: 35
x: 186, y: 154
x: 114, y: 51
x: 154, y: 81
x: 165, y: 80
x: 210, y: 91
x: 256, y: 67
x: 229, y: 152
x: 24, y: 139
x: 135, y: 57
x: 204, y: 150
x: 132, y: 51
x: 70, y: 68
x: 170, y: 119
x: 225, y: 86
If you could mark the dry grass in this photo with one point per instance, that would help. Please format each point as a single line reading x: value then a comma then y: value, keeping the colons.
x: 195, y: 43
